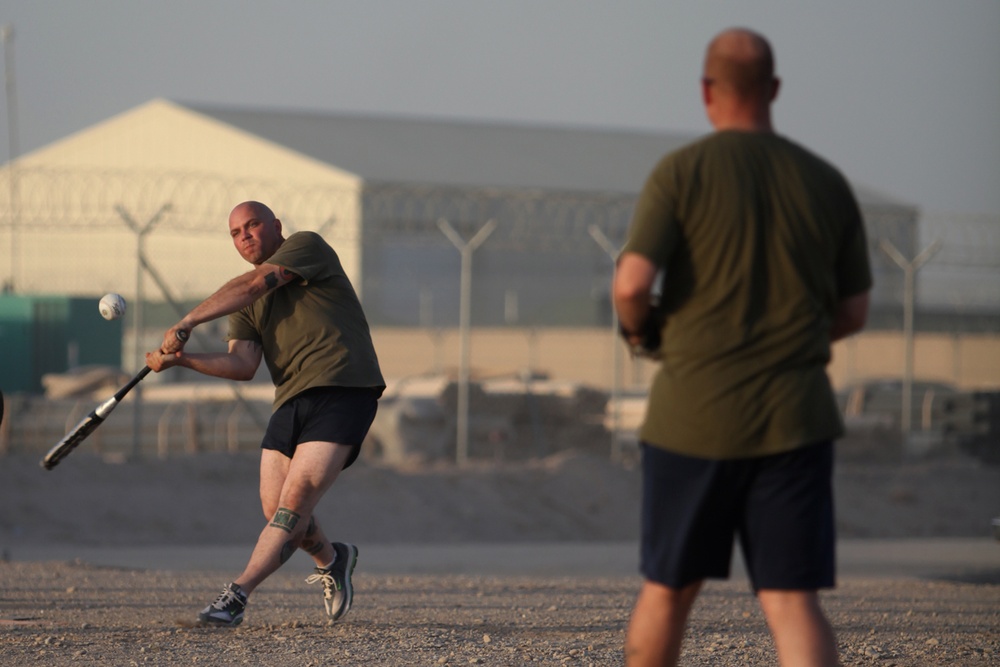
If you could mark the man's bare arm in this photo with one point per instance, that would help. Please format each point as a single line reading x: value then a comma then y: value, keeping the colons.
x: 850, y: 316
x: 238, y: 293
x: 239, y: 363
x: 631, y: 292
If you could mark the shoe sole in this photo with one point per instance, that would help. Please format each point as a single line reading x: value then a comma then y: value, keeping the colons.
x: 204, y: 622
x: 352, y: 554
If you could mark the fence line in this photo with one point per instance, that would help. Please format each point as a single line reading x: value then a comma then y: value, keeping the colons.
x: 86, y: 232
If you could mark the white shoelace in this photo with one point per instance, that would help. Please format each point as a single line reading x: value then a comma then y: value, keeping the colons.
x: 225, y: 597
x: 329, y: 583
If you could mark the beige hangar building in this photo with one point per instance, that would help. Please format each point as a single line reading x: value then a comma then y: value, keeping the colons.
x: 138, y: 205
x: 162, y: 178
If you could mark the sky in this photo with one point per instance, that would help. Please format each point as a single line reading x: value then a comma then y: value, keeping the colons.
x: 902, y: 95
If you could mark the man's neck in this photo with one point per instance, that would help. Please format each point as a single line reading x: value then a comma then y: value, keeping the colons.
x: 729, y: 114
x: 745, y: 124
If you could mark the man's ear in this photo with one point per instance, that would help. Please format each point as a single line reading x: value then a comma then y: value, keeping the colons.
x: 775, y: 87
x: 706, y: 92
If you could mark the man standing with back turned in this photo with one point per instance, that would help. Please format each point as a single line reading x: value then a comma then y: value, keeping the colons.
x: 298, y: 311
x: 764, y: 263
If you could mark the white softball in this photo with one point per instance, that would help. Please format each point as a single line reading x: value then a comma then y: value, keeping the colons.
x: 112, y: 306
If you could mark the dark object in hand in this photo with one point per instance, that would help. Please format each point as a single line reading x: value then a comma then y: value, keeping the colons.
x: 650, y: 334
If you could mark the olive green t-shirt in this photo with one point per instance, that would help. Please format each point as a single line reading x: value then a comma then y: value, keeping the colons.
x: 758, y: 240
x: 312, y: 330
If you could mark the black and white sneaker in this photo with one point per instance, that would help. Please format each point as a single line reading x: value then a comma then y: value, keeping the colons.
x: 227, y: 608
x: 338, y: 593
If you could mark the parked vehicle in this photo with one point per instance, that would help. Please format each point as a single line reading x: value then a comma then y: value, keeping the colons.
x: 941, y: 415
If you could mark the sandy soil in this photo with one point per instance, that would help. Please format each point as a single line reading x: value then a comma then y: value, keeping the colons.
x: 61, y: 613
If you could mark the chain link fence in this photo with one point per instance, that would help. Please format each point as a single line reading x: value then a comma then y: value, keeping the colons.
x: 535, y: 310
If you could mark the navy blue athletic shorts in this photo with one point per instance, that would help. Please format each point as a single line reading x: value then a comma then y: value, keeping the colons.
x: 780, y: 507
x: 328, y: 414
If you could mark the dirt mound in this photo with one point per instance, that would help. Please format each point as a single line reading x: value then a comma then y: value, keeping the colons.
x: 212, y: 499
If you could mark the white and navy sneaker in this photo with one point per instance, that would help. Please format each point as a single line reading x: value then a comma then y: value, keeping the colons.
x: 227, y: 608
x: 338, y: 593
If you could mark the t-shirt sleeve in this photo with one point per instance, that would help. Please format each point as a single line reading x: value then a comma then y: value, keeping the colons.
x: 302, y: 254
x: 241, y: 328
x: 655, y: 228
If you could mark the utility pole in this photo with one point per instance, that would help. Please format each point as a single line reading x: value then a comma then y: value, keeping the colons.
x: 7, y: 37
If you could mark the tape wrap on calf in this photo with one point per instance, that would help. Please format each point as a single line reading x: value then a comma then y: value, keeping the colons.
x: 285, y: 519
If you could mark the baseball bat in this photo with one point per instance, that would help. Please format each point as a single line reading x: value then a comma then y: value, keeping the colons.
x: 96, y: 417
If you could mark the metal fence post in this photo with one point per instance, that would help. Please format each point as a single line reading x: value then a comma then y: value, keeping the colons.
x: 137, y: 315
x: 616, y: 408
x: 909, y: 294
x: 465, y: 323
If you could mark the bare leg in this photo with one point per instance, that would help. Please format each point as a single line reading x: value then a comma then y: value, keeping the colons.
x: 315, y: 543
x: 305, y: 479
x: 802, y: 634
x: 274, y: 468
x: 656, y: 629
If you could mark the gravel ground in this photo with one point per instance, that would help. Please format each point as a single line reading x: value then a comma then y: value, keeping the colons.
x: 62, y: 613
x: 72, y: 613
